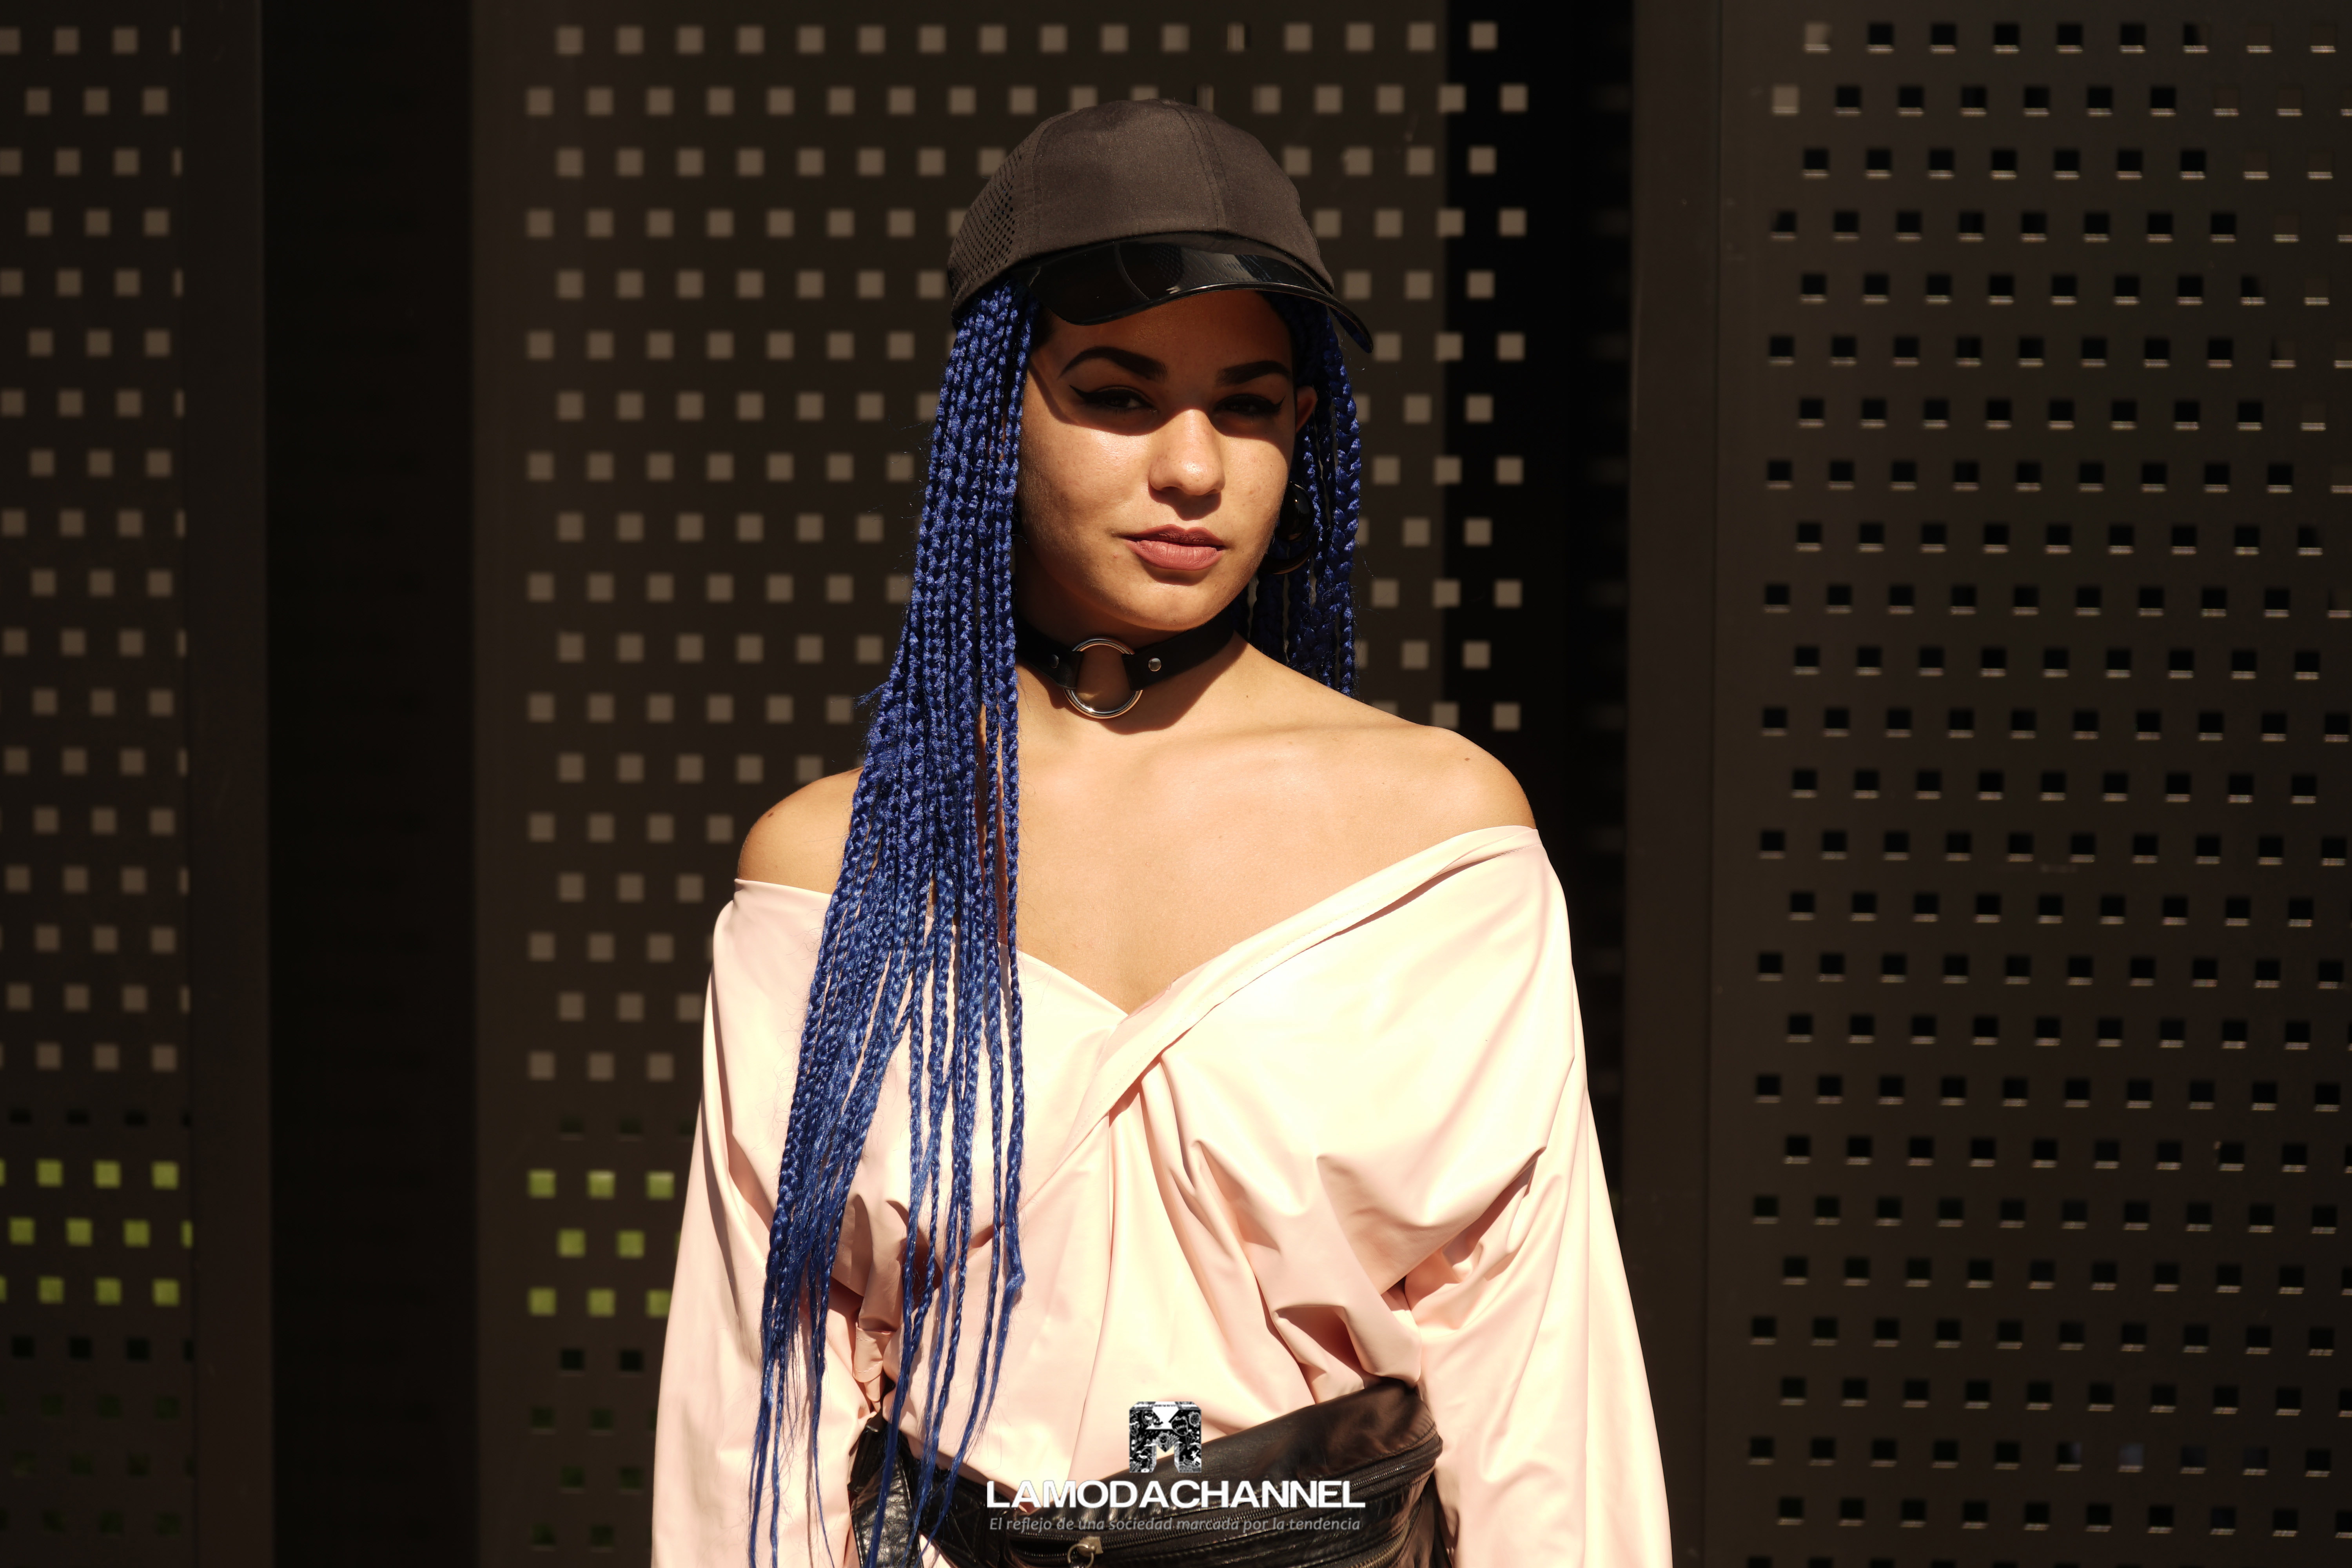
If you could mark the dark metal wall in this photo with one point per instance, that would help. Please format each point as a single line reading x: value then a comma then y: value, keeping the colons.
x: 1541, y: 294
x: 371, y: 773
x: 311, y: 1348
x: 96, y: 1388
x: 2024, y: 912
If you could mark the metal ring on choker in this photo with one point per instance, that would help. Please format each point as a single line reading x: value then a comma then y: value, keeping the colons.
x: 1134, y: 695
x: 1146, y: 666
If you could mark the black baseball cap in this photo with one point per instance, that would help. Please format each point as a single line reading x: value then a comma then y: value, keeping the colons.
x: 1102, y: 212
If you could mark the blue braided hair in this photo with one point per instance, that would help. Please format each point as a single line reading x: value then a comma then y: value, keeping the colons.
x: 918, y: 942
x: 1306, y: 618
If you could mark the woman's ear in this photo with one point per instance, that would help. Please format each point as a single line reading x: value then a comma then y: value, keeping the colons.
x: 1308, y: 399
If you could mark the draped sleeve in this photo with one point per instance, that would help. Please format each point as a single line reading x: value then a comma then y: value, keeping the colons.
x: 763, y: 952
x: 1529, y: 1358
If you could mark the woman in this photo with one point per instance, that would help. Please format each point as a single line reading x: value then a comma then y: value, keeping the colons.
x: 1278, y: 1096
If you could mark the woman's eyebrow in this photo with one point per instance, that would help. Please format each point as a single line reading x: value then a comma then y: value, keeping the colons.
x: 1233, y: 376
x: 1150, y: 369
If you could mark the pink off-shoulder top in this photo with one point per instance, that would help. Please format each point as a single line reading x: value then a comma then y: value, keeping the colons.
x: 1356, y: 1146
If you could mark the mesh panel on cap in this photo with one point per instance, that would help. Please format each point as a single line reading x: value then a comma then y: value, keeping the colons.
x: 983, y: 244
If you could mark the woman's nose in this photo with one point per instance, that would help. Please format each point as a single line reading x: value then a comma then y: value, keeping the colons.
x: 1187, y: 457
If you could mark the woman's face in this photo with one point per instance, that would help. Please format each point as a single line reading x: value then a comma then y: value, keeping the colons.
x: 1154, y: 453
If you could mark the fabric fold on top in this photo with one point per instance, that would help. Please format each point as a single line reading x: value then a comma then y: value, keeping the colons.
x: 1355, y: 1145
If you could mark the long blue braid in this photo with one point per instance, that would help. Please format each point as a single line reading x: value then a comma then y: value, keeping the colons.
x: 1307, y: 619
x: 919, y: 939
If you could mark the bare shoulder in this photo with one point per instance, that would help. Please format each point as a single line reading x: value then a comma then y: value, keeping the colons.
x: 798, y: 842
x: 1413, y: 779
x: 1442, y: 782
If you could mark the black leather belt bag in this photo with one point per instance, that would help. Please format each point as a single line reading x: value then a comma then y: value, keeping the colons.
x: 1381, y: 1441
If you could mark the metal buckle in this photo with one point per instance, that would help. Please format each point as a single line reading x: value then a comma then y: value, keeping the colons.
x: 1134, y: 696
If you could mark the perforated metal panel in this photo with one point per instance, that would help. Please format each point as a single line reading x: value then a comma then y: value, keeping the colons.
x: 2031, y: 906
x: 712, y: 314
x: 1535, y: 533
x: 94, y: 1391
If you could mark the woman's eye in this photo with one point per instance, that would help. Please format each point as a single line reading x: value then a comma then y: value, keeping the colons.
x: 1250, y: 407
x: 1114, y: 399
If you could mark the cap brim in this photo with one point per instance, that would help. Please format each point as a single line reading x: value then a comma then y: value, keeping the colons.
x: 1100, y: 283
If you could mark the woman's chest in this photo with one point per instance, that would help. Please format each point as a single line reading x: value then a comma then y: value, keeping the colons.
x: 1125, y: 896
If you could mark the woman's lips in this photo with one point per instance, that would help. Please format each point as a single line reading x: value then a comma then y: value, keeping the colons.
x: 1177, y: 549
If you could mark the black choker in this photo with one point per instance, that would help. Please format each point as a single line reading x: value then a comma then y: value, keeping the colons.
x: 1145, y: 666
